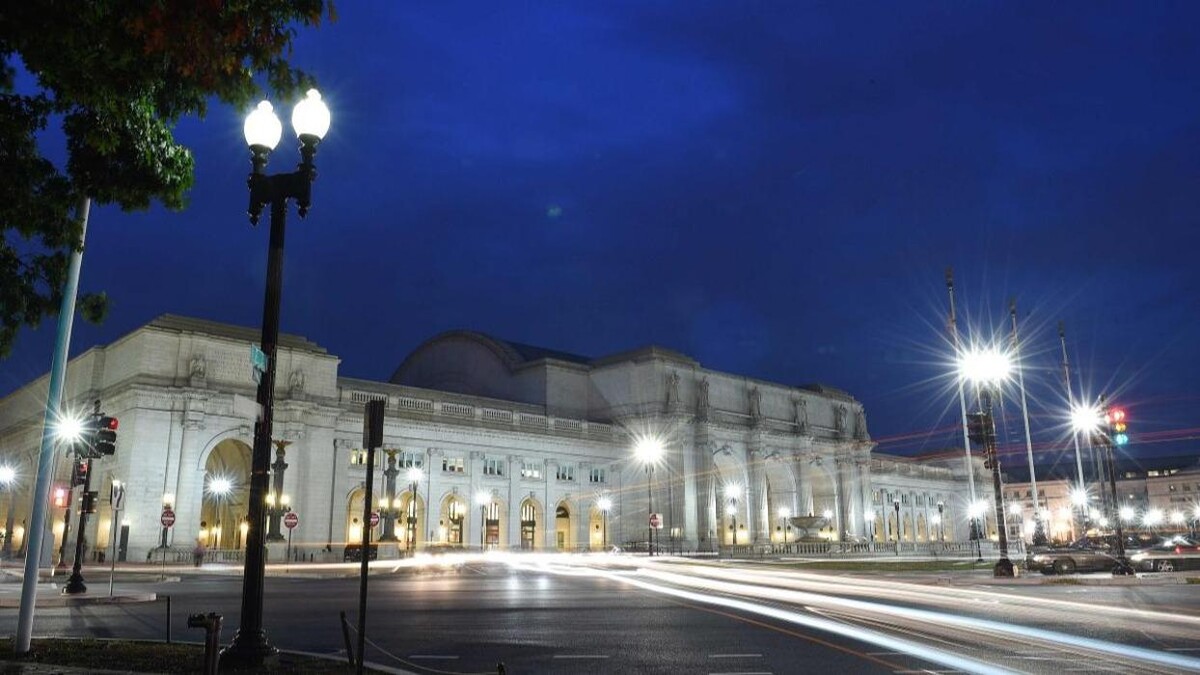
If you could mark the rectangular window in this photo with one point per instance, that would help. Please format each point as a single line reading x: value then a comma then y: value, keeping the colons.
x: 493, y: 467
x: 410, y: 459
x: 565, y: 472
x: 597, y: 476
x: 454, y: 465
x: 531, y: 471
x: 358, y: 457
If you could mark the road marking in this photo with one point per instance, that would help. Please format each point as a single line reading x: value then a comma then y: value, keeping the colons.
x: 581, y: 656
x: 432, y: 656
x: 735, y: 656
x: 1183, y: 649
x: 745, y: 672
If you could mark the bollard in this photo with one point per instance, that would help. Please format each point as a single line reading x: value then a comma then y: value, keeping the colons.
x: 211, y: 623
x: 346, y: 637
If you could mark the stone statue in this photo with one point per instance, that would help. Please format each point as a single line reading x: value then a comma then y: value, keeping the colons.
x: 755, y: 404
x: 800, y: 414
x: 702, y: 399
x: 860, y: 424
x: 196, y: 369
x: 839, y: 418
x: 673, y: 390
x: 296, y: 381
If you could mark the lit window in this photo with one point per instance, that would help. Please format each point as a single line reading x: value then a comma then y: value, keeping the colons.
x: 565, y: 472
x: 358, y: 457
x: 454, y: 465
x: 531, y: 471
x: 493, y: 467
x: 412, y: 460
x: 597, y: 476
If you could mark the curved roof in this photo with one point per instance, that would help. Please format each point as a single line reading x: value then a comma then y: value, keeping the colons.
x: 512, y: 354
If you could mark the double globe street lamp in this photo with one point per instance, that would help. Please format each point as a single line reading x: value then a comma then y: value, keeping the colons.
x: 649, y: 450
x: 986, y: 369
x: 310, y: 119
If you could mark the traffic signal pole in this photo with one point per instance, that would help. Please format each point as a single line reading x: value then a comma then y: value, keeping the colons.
x: 75, y: 583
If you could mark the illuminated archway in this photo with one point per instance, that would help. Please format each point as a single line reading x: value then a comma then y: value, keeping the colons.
x: 563, y: 534
x: 531, y: 524
x: 225, y: 498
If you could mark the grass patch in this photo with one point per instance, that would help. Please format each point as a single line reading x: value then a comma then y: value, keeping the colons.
x: 896, y: 566
x: 1193, y: 580
x: 153, y: 657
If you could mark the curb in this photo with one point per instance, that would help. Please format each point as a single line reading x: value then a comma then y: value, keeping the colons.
x: 72, y: 600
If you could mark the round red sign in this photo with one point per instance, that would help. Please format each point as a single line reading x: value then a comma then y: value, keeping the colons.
x: 291, y: 520
x: 374, y: 518
x: 168, y: 518
x: 655, y: 520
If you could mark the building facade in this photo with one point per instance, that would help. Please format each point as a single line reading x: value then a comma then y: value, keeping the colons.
x: 486, y: 442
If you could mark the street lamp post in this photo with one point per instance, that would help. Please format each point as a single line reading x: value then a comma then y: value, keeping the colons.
x: 483, y: 499
x: 869, y: 519
x: 168, y: 502
x: 986, y: 368
x: 278, y: 508
x: 648, y: 451
x: 941, y: 523
x: 784, y: 514
x: 896, y: 506
x: 310, y: 118
x: 732, y: 511
x: 414, y: 476
x: 389, y: 497
x: 605, y: 505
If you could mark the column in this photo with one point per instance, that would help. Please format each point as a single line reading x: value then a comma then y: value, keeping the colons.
x: 705, y: 515
x: 689, y: 499
x: 514, y: 502
x: 476, y: 513
x: 389, y: 496
x: 846, y: 499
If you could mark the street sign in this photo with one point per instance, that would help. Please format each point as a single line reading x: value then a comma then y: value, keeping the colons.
x: 258, y: 362
x: 291, y: 520
x: 656, y: 521
x: 374, y: 518
x: 168, y: 518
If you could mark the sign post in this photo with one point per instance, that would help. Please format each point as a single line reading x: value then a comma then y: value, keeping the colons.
x: 116, y: 498
x: 167, y: 519
x: 290, y: 521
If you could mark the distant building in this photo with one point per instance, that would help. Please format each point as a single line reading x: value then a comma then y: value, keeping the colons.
x: 1158, y: 494
x: 513, y: 446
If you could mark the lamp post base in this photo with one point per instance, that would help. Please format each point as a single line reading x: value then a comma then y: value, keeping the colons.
x: 1123, y: 569
x: 247, y: 651
x: 74, y: 585
x: 1003, y: 569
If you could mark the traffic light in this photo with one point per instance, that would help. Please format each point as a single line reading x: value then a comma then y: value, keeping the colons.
x: 88, y: 502
x: 1115, y: 417
x: 62, y: 497
x: 79, y: 476
x: 106, y: 436
x: 979, y: 427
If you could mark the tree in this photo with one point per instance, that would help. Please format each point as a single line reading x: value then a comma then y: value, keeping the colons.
x: 117, y: 75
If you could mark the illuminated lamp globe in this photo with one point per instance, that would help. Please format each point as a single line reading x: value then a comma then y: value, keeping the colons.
x: 263, y: 128
x: 7, y: 475
x: 310, y: 117
x: 604, y: 504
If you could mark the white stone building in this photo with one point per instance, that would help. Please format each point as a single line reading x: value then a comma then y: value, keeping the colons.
x: 517, y: 447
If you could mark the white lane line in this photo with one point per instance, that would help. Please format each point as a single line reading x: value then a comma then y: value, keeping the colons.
x: 430, y: 656
x: 1183, y: 649
x: 581, y: 656
x: 735, y: 656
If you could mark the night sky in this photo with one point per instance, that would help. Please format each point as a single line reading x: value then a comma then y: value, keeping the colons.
x: 772, y: 188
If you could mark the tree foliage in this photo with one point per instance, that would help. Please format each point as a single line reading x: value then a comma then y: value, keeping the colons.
x: 117, y: 75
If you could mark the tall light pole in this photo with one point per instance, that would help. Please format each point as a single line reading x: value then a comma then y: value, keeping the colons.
x: 899, y: 527
x: 1039, y: 531
x: 649, y: 450
x: 605, y: 505
x: 986, y: 369
x: 784, y: 514
x: 732, y: 493
x: 310, y: 118
x: 869, y: 519
x: 941, y: 522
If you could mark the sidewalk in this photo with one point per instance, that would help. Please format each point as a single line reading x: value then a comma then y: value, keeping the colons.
x: 49, y: 591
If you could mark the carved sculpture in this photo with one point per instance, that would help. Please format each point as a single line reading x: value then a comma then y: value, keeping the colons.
x: 839, y: 418
x: 296, y: 382
x: 672, y: 390
x: 860, y: 424
x: 702, y: 399
x: 755, y: 404
x: 801, y: 414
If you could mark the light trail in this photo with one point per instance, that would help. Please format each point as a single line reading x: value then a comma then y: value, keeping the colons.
x: 699, y: 585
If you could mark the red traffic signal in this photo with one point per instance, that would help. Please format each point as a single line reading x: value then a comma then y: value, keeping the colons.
x: 62, y: 497
x: 106, y: 436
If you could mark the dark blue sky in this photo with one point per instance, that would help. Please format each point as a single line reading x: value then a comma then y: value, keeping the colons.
x: 773, y: 188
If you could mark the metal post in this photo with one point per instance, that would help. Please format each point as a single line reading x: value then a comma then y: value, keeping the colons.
x: 389, y: 495
x: 6, y: 551
x: 1004, y: 566
x: 250, y: 645
x: 62, y: 547
x: 649, y: 509
x: 366, y: 559
x: 116, y: 498
x: 75, y: 583
x: 1039, y: 531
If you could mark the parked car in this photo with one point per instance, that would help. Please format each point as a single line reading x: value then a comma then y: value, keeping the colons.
x: 1086, y: 554
x: 1170, y: 555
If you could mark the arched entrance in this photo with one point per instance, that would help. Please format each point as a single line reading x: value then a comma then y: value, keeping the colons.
x: 225, y: 499
x: 563, y: 540
x: 451, y: 518
x: 354, y: 512
x: 597, y: 529
x: 412, y: 514
x: 530, y: 524
x: 492, y: 511
x: 907, y: 532
x: 922, y: 529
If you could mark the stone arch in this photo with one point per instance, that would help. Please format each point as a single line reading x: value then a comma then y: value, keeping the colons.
x: 823, y: 486
x: 494, y: 516
x: 891, y: 534
x: 922, y: 528
x: 452, y: 519
x: 730, y: 479
x: 354, y: 513
x: 906, y: 532
x: 532, y: 522
x: 598, y: 534
x: 782, y: 497
x: 564, y: 534
x: 225, y: 494
x: 409, y: 530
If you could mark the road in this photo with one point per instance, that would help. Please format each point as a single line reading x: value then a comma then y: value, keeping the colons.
x: 588, y: 614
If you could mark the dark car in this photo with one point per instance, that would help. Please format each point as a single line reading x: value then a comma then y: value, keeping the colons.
x: 1172, y: 554
x: 1086, y: 554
